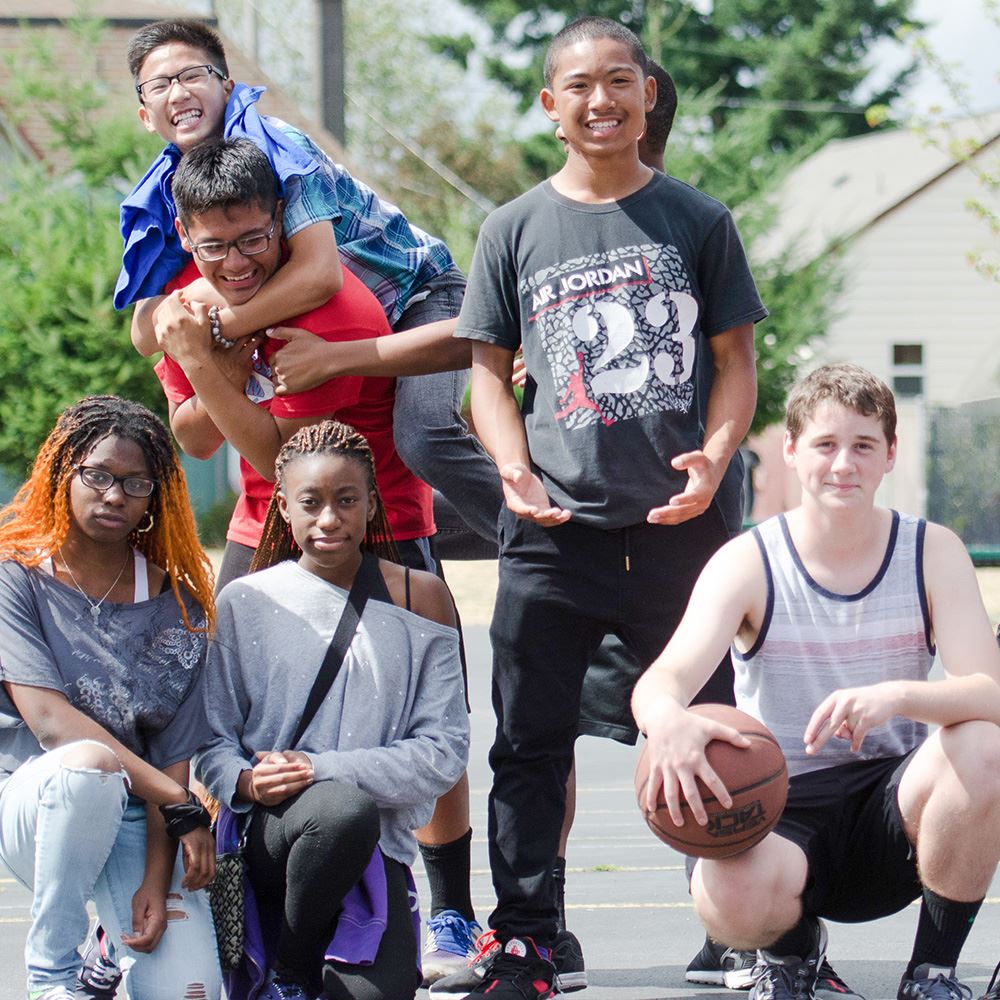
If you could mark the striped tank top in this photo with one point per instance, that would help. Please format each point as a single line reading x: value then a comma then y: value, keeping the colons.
x: 813, y: 642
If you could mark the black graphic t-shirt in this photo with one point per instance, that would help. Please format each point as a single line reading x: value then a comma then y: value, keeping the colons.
x: 613, y: 305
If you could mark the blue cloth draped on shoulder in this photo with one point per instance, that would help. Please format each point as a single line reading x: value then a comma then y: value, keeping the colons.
x: 153, y: 252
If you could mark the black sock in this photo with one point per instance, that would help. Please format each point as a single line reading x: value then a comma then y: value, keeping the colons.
x: 559, y: 876
x: 448, y: 869
x: 943, y: 926
x: 799, y: 940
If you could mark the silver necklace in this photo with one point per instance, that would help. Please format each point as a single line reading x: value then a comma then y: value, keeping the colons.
x: 95, y: 609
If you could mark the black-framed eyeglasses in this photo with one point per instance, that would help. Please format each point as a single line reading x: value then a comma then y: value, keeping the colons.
x: 157, y: 87
x: 250, y: 245
x: 102, y: 481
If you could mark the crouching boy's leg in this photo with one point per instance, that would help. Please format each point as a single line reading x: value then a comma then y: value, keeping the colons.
x: 949, y: 798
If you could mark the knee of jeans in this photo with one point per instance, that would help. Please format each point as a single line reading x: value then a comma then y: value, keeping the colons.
x: 90, y: 755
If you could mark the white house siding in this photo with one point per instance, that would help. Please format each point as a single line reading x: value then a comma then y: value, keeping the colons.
x: 908, y: 281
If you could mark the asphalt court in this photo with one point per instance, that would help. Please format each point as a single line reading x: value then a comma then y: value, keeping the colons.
x: 626, y: 893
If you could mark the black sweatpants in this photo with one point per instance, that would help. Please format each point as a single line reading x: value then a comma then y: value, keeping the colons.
x: 303, y: 857
x: 561, y: 590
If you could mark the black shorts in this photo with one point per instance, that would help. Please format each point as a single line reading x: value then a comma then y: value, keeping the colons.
x: 606, y: 699
x: 847, y: 821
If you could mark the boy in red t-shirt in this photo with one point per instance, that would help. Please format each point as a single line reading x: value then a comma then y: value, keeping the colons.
x: 226, y: 201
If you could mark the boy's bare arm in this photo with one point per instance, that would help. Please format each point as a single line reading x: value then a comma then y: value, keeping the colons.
x: 731, y: 405
x: 501, y: 429
x: 309, y: 278
x: 306, y: 360
x: 143, y: 332
x: 965, y: 642
x: 727, y: 600
x: 249, y: 428
x: 194, y: 428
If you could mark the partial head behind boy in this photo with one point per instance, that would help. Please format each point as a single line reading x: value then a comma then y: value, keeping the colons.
x: 660, y: 120
x: 229, y: 215
x: 848, y: 385
x: 182, y: 80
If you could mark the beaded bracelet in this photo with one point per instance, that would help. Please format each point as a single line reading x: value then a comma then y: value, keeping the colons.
x: 182, y: 817
x: 216, y: 327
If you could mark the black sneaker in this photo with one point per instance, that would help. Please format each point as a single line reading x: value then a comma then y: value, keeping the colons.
x: 933, y: 982
x: 789, y: 977
x: 514, y: 970
x: 993, y: 990
x: 567, y: 957
x: 829, y: 986
x: 100, y: 975
x: 718, y: 965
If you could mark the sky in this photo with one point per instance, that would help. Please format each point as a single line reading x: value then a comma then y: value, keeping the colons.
x: 963, y: 35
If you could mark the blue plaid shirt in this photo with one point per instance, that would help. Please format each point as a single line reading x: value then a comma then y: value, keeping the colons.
x: 390, y: 255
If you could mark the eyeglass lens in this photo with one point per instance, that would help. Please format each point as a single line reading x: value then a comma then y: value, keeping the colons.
x: 102, y: 481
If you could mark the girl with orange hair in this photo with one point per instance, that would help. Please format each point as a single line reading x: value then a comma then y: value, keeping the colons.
x: 105, y: 607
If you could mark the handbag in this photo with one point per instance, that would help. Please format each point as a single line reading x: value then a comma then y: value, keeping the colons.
x: 227, y: 894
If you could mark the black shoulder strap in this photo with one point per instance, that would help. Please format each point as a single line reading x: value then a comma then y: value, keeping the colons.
x: 340, y: 643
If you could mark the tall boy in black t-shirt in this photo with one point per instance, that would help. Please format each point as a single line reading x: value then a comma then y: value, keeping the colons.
x: 613, y: 279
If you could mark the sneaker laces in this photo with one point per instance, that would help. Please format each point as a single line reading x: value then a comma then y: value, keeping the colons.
x: 455, y: 931
x: 485, y: 945
x: 941, y: 987
x: 785, y: 981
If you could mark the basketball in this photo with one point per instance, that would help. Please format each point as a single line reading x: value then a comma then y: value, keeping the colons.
x: 757, y: 780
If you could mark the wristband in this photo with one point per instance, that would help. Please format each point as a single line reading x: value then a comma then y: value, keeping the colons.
x: 215, y: 324
x: 182, y: 817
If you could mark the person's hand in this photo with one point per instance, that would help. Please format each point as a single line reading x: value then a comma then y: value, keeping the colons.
x: 703, y: 481
x: 526, y: 496
x: 849, y: 714
x: 676, y: 754
x: 198, y: 855
x: 519, y: 373
x: 278, y: 775
x: 149, y: 919
x: 301, y: 362
x: 235, y: 362
x: 182, y: 329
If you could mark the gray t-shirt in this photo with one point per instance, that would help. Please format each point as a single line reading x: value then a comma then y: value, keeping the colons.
x: 137, y: 671
x: 613, y: 305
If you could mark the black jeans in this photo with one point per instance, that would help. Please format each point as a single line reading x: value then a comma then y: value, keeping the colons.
x: 303, y: 857
x: 561, y: 590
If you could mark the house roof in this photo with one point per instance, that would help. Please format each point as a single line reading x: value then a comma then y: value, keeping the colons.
x: 851, y: 183
x: 107, y: 62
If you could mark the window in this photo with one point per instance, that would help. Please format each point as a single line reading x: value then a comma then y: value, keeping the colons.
x: 908, y: 370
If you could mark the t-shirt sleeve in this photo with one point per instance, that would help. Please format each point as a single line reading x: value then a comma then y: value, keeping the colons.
x: 25, y: 656
x: 727, y: 286
x: 491, y: 310
x: 176, y: 386
x: 309, y: 200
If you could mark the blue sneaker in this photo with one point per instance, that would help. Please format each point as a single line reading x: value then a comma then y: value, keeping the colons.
x: 451, y: 942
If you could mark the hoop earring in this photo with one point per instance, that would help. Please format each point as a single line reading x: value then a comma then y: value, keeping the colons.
x: 149, y: 527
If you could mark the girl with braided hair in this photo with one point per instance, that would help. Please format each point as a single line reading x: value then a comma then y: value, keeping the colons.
x: 331, y: 817
x: 105, y: 607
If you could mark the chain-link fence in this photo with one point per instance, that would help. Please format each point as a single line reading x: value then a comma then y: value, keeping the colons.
x: 963, y: 473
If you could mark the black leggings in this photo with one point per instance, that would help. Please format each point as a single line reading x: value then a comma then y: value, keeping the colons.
x: 304, y: 856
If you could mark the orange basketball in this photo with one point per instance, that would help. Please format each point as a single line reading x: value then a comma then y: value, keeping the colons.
x: 756, y: 777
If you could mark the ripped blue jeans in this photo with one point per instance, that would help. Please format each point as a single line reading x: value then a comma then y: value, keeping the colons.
x: 71, y: 834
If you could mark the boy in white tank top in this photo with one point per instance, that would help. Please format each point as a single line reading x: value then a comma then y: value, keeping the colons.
x: 834, y: 612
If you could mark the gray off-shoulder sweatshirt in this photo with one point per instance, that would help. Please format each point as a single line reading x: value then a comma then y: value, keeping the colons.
x: 394, y: 723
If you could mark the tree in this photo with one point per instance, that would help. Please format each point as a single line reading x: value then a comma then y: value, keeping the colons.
x: 60, y: 252
x: 798, y: 57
